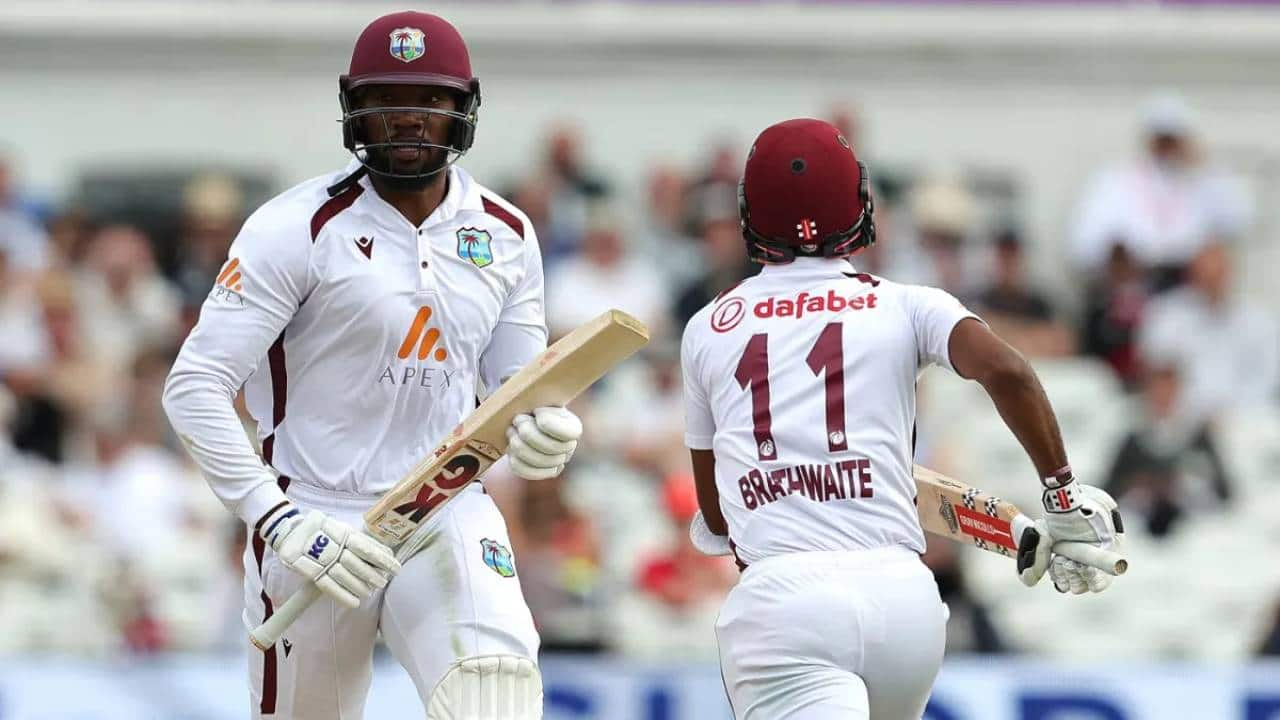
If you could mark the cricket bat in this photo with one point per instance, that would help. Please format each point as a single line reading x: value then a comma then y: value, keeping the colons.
x: 555, y: 377
x: 951, y: 509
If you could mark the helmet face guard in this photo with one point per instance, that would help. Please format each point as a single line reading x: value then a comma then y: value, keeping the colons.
x: 843, y: 243
x: 374, y: 156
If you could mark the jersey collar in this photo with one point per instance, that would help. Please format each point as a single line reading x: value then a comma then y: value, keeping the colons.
x: 461, y: 195
x: 811, y: 267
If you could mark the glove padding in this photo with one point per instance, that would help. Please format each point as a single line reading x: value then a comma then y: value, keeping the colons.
x: 1095, y: 521
x: 344, y: 563
x: 1035, y: 549
x: 705, y: 541
x: 540, y: 445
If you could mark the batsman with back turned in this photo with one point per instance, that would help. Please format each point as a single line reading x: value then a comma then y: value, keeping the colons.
x: 360, y: 311
x: 800, y: 411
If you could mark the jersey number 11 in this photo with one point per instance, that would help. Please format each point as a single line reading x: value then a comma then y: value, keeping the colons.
x: 827, y: 355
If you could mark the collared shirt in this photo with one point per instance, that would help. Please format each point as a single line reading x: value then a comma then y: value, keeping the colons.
x: 802, y: 382
x: 360, y: 339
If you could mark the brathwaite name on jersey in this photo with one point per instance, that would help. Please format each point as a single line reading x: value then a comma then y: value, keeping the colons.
x: 844, y: 480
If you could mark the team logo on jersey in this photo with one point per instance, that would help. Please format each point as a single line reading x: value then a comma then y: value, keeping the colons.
x: 227, y: 288
x: 497, y: 557
x: 408, y: 44
x: 728, y: 314
x: 475, y: 245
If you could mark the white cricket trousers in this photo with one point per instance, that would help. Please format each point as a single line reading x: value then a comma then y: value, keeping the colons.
x: 832, y: 636
x: 445, y: 604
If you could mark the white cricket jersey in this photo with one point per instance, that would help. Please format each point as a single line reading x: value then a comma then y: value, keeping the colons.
x: 801, y: 380
x: 358, y: 337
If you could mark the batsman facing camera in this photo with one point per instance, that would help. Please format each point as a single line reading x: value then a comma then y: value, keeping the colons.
x: 360, y: 312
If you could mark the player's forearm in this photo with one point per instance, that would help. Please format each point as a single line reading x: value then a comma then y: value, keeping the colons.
x: 1021, y: 401
x: 704, y: 477
x: 201, y: 410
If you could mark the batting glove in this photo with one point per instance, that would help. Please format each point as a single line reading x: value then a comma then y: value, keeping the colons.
x: 705, y: 541
x: 346, y: 564
x: 1080, y: 513
x: 1035, y: 549
x: 540, y: 445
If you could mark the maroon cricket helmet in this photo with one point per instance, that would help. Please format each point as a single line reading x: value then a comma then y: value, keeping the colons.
x: 804, y: 193
x: 410, y: 48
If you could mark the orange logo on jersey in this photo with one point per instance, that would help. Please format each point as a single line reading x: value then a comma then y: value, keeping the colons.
x: 226, y: 289
x: 428, y: 339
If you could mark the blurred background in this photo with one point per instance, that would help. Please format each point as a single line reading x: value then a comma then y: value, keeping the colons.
x: 1100, y: 180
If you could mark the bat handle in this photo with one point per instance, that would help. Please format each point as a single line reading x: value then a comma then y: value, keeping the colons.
x: 1108, y: 561
x: 265, y: 636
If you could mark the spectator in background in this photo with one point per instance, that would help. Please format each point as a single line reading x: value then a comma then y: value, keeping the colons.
x: 943, y: 213
x: 725, y: 259
x: 717, y: 180
x: 665, y: 233
x: 23, y: 344
x: 70, y: 382
x: 1163, y: 207
x: 22, y: 238
x: 131, y: 476
x: 1168, y: 465
x: 1225, y: 347
x: 572, y: 191
x: 970, y: 628
x: 1015, y: 310
x: 69, y: 233
x: 1113, y: 308
x: 46, y: 559
x: 558, y: 558
x: 212, y: 211
x: 678, y: 592
x: 606, y: 274
x: 651, y: 426
x: 126, y: 306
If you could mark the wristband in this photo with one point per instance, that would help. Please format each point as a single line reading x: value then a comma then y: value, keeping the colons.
x: 1058, y: 478
x: 1061, y: 493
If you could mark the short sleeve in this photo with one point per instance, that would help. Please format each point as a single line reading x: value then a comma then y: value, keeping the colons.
x: 934, y: 314
x: 699, y: 424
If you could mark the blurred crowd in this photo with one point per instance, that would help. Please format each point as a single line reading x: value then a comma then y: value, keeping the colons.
x: 101, y: 513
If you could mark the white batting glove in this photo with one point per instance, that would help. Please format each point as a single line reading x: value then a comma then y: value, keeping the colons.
x: 1081, y: 513
x: 539, y: 445
x: 705, y: 541
x: 343, y: 562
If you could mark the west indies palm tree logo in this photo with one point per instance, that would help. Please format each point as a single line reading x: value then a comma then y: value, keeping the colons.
x: 474, y: 245
x: 407, y: 44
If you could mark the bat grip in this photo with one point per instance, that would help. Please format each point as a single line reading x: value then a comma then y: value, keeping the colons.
x: 1108, y: 561
x: 265, y: 636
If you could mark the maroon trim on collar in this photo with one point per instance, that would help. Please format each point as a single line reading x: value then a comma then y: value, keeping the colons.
x: 332, y: 207
x: 504, y: 215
